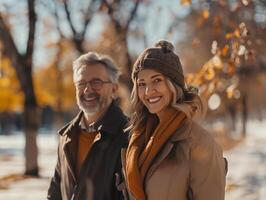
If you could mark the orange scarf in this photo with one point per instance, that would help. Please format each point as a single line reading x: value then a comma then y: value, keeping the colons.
x: 140, y: 153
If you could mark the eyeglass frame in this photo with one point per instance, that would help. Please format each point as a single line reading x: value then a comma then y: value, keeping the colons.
x: 84, y: 84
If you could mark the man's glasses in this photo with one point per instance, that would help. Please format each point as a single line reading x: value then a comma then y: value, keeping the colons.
x: 95, y: 84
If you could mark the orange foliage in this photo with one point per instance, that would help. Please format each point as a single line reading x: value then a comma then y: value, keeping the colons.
x: 224, y: 63
x: 48, y: 89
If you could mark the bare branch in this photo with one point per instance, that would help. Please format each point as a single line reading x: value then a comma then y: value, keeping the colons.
x: 32, y: 25
x: 88, y: 16
x: 116, y: 22
x: 69, y: 17
x: 55, y: 13
x: 7, y: 39
x: 132, y: 15
x: 11, y: 51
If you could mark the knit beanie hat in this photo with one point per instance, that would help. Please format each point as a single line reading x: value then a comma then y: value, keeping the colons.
x: 161, y: 58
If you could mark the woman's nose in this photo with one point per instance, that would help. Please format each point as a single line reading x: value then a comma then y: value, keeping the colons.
x: 149, y: 89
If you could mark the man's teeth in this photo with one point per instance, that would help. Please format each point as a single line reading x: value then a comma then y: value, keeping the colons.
x: 153, y: 100
x: 90, y: 98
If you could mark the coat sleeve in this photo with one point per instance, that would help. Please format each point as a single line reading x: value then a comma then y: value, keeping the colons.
x: 54, y: 191
x: 208, y: 169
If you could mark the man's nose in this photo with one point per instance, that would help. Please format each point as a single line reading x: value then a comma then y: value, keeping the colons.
x: 87, y: 88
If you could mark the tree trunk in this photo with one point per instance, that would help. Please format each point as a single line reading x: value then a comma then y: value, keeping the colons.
x: 244, y: 115
x: 31, y: 124
x: 22, y: 62
x: 31, y: 151
x: 126, y: 76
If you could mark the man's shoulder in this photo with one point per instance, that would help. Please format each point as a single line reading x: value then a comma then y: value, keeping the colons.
x: 70, y: 124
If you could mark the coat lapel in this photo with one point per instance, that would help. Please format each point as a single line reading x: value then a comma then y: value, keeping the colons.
x: 68, y: 147
x: 164, y: 153
x: 70, y: 137
x: 181, y: 134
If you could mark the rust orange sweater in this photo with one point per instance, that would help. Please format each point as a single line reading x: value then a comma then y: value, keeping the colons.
x: 85, y: 143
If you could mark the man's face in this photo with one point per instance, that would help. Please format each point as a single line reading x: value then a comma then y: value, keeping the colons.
x: 94, y: 89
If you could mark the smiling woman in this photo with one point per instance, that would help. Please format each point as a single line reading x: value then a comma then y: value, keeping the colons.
x: 153, y: 91
x: 169, y: 155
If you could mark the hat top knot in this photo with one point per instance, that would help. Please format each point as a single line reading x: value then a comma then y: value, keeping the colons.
x: 165, y: 46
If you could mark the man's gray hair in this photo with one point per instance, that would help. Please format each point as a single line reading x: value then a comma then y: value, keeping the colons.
x: 91, y: 58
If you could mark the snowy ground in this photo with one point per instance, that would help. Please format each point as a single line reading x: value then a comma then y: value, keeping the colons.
x: 246, y: 179
x: 12, y: 165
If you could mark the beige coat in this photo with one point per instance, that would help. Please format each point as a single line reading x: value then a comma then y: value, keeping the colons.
x: 189, y: 167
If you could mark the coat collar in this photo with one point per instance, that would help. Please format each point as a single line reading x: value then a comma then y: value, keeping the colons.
x: 183, y: 132
x: 113, y: 121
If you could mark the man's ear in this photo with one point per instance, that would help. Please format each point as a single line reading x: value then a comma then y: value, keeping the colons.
x: 114, y: 90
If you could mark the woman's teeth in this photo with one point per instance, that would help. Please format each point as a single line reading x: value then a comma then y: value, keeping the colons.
x: 154, y: 100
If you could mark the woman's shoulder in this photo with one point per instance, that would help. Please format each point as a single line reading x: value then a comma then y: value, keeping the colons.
x: 202, y: 143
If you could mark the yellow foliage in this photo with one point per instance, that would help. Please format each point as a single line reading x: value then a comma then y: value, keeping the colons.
x: 230, y: 91
x: 229, y: 36
x: 53, y: 89
x: 237, y: 33
x: 209, y: 74
x: 11, y: 98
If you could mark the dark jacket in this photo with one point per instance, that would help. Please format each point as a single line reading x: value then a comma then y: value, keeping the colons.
x: 96, y: 180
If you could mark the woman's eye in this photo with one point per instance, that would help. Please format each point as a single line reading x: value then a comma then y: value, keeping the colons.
x: 157, y: 80
x: 141, y: 84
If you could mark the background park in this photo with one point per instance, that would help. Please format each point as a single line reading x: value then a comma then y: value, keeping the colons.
x: 221, y: 44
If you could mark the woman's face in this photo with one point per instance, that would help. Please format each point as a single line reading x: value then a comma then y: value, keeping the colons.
x: 153, y: 91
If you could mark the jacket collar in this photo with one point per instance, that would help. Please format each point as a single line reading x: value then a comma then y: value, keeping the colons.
x: 111, y: 123
x: 183, y: 132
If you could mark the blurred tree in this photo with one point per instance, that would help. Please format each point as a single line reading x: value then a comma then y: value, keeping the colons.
x: 76, y: 15
x: 121, y: 19
x: 229, y: 32
x: 113, y: 40
x: 22, y: 62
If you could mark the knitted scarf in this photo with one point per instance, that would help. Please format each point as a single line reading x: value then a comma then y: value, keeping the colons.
x: 145, y: 145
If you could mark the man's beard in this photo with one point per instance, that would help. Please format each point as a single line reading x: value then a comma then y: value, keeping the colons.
x: 89, y: 110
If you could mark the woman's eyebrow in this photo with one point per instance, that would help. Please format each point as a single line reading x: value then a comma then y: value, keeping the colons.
x: 154, y: 76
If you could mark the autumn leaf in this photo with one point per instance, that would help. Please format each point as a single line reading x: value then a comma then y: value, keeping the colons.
x: 225, y: 50
x: 209, y: 74
x: 237, y: 33
x: 229, y: 36
x: 189, y: 77
x: 230, y: 91
x: 205, y: 14
x: 185, y: 2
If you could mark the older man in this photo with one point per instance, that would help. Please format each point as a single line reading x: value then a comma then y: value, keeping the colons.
x: 89, y: 146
